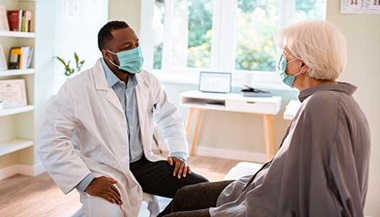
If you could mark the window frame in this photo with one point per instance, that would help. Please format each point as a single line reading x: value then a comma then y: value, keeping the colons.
x: 222, y: 50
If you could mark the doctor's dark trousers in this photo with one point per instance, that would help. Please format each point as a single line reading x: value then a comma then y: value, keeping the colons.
x: 157, y: 178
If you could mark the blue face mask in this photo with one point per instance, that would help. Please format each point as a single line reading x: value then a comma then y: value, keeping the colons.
x: 281, y: 66
x: 130, y: 60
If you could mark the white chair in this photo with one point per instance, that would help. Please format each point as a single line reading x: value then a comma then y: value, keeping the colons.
x: 153, y: 206
x: 242, y: 169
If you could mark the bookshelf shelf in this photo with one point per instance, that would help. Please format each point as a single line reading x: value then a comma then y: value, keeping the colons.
x: 13, y: 72
x: 17, y: 34
x: 17, y: 110
x: 14, y: 145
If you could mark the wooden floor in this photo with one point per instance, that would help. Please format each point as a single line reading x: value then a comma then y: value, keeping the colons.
x: 38, y: 196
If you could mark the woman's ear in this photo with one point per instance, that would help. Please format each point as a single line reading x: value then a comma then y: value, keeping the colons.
x: 304, y: 67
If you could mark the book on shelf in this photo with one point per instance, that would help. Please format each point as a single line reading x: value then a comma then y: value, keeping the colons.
x: 20, y: 57
x: 19, y: 20
x: 3, y: 19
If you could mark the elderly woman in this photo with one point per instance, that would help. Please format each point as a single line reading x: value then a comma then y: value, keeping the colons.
x: 321, y: 168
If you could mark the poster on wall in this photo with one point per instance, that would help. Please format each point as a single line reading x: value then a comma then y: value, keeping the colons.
x: 360, y: 6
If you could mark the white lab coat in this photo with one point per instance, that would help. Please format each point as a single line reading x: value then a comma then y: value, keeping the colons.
x: 87, y: 113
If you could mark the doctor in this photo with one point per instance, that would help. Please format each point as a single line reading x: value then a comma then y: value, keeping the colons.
x: 97, y: 134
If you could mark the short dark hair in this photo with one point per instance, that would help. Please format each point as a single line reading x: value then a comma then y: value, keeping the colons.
x: 105, y: 35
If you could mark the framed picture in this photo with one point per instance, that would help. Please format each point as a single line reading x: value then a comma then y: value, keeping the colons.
x: 3, y: 62
x: 4, y: 26
x: 13, y: 93
x: 360, y: 7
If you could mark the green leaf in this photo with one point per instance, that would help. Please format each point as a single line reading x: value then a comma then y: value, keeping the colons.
x: 76, y: 57
x: 67, y: 68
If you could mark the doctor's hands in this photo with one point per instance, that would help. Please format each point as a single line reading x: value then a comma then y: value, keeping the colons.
x: 104, y: 187
x: 181, y: 169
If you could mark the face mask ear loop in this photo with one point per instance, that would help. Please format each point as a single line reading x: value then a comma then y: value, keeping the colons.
x: 298, y: 74
x: 291, y: 61
x: 111, y: 52
x: 113, y: 63
x: 110, y: 60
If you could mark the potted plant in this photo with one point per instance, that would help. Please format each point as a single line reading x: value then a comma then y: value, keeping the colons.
x: 69, y: 71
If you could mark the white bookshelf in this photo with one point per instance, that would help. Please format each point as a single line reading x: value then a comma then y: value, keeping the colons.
x: 16, y: 110
x: 14, y: 145
x: 17, y: 34
x: 14, y: 72
x: 17, y: 124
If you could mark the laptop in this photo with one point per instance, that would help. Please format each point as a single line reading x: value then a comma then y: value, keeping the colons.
x: 215, y: 82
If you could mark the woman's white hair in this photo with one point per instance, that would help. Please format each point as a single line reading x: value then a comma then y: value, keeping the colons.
x: 319, y: 44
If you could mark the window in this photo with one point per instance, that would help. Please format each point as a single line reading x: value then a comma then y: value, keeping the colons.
x: 158, y: 28
x: 232, y: 36
x: 257, y: 23
x: 190, y: 33
x: 310, y: 9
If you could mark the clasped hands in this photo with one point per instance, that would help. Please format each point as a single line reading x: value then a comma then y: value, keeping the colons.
x: 105, y: 188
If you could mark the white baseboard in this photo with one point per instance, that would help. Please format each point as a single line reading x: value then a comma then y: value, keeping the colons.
x: 226, y: 153
x: 29, y: 170
x: 231, y: 154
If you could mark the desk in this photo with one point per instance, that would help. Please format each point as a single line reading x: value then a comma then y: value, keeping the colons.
x: 266, y: 106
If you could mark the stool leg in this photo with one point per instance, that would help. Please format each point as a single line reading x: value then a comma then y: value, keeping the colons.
x: 269, y: 136
x: 189, y: 119
x: 194, y: 142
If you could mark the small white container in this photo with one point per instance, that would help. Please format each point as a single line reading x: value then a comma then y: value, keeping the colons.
x: 1, y: 104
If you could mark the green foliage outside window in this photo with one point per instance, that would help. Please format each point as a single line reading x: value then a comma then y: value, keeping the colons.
x: 200, y: 32
x: 256, y: 30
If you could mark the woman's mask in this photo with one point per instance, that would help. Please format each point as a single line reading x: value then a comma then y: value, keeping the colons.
x: 281, y: 66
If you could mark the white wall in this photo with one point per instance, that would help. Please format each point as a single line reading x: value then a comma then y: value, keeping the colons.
x: 125, y: 10
x: 363, y: 36
x: 362, y: 32
x: 44, y: 62
x: 62, y: 29
x: 76, y: 30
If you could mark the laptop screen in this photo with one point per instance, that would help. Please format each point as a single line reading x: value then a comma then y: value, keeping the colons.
x: 215, y: 82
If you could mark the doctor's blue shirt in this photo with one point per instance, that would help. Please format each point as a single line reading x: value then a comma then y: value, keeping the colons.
x: 127, y: 97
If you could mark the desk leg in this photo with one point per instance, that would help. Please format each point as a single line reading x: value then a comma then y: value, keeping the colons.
x: 194, y: 142
x: 269, y: 136
x: 189, y: 119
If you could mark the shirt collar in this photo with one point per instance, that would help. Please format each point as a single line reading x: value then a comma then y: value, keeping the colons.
x: 112, y: 79
x: 339, y: 87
